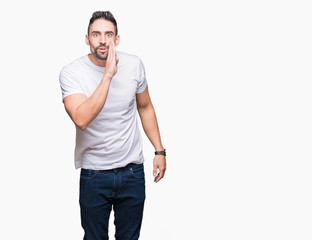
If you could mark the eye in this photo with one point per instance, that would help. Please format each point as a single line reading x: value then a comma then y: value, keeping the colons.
x: 109, y: 35
x: 95, y: 34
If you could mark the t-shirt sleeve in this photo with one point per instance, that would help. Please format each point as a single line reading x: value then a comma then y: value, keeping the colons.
x: 141, y: 79
x: 69, y: 83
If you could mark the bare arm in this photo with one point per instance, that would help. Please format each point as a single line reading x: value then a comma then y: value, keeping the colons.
x: 150, y: 126
x: 83, y: 110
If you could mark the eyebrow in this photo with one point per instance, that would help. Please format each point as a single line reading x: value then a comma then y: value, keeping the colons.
x: 106, y: 32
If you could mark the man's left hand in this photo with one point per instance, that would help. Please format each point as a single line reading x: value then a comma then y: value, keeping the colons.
x: 159, y: 164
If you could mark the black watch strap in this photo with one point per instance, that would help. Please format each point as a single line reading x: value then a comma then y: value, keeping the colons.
x: 161, y: 152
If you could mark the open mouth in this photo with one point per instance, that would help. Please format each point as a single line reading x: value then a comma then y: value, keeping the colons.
x: 102, y: 49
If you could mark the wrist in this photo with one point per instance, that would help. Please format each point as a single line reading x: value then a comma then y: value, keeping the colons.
x: 159, y: 148
x: 107, y: 77
x: 161, y: 152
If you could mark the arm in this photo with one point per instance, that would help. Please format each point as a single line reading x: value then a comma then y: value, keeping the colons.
x: 83, y: 110
x: 150, y: 126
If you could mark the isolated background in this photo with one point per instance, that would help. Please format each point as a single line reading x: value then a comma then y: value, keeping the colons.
x: 231, y: 85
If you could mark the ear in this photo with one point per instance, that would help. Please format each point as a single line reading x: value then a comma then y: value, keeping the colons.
x: 117, y: 40
x: 87, y: 40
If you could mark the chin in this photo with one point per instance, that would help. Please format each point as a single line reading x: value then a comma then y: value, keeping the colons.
x: 101, y: 57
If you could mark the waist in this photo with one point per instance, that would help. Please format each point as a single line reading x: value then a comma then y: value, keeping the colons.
x: 127, y: 167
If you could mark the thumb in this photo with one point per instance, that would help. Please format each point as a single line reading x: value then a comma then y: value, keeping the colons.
x: 155, y: 171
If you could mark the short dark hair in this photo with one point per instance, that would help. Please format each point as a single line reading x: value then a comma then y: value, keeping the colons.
x: 107, y: 15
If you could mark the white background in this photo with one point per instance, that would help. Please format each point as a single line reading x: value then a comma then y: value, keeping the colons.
x: 231, y: 85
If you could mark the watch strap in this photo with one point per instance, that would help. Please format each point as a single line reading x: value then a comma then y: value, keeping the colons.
x: 161, y: 152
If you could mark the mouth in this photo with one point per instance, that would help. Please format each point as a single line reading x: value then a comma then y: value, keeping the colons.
x: 102, y: 49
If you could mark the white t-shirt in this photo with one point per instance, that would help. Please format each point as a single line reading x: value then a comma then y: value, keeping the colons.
x: 112, y: 139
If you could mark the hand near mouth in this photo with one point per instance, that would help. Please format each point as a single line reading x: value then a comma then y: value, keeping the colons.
x: 112, y: 61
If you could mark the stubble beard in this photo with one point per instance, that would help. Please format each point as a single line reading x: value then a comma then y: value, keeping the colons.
x: 98, y: 54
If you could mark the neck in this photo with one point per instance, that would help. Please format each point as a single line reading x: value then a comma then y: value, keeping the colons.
x: 96, y: 61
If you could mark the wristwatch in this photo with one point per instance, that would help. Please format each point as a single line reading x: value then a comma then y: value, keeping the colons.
x: 161, y: 152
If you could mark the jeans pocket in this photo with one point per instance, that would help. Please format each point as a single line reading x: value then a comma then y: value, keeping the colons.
x: 137, y: 171
x: 87, y: 173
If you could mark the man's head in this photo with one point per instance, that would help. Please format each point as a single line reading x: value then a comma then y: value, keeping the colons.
x: 102, y: 30
x: 107, y: 15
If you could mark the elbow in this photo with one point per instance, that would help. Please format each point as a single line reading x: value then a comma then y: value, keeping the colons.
x: 81, y: 125
x: 81, y: 121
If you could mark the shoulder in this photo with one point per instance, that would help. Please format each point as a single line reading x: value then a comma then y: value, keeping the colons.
x: 68, y: 73
x: 73, y: 66
x: 128, y: 58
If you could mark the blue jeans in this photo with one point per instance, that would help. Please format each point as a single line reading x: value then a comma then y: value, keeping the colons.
x: 121, y: 188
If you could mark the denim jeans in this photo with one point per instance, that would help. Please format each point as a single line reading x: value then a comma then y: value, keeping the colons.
x: 122, y: 189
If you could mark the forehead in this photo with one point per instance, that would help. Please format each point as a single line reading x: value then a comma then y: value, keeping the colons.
x: 102, y: 25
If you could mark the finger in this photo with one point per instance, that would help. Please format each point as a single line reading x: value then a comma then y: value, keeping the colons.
x: 111, y: 50
x: 160, y: 175
x: 112, y: 46
x: 155, y: 171
x: 113, y: 43
x: 157, y: 178
x: 117, y: 59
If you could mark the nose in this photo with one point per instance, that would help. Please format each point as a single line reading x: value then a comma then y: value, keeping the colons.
x: 102, y: 39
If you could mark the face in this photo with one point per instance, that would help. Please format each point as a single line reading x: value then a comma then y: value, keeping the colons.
x: 102, y: 32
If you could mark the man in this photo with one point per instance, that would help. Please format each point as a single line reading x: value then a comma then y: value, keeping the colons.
x: 102, y: 92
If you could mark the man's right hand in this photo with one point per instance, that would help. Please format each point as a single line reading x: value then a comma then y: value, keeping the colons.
x: 111, y: 62
x: 83, y: 110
